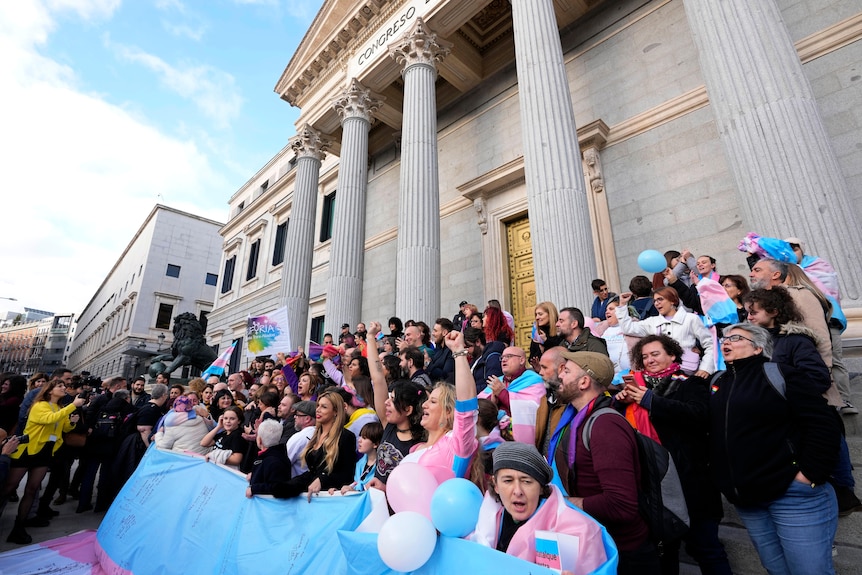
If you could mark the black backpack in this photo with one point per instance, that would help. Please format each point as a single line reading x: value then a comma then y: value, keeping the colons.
x: 113, y: 425
x: 660, y: 498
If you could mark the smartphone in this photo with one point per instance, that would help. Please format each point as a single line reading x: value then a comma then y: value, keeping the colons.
x: 629, y: 379
x: 23, y: 439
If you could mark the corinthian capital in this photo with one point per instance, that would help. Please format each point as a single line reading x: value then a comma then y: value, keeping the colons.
x: 309, y: 143
x: 419, y: 45
x: 357, y: 101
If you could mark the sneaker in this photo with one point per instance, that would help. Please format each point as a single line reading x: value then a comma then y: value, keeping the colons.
x: 848, y: 409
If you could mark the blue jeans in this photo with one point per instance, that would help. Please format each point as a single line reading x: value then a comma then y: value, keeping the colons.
x: 793, y: 534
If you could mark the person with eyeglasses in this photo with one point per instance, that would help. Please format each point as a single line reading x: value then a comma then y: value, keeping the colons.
x: 519, y: 392
x: 772, y: 451
x: 603, y: 297
x: 303, y: 421
x: 672, y: 407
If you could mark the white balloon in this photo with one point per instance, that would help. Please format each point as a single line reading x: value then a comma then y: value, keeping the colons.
x: 406, y: 541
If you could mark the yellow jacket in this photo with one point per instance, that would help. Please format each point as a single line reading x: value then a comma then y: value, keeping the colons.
x: 45, y: 419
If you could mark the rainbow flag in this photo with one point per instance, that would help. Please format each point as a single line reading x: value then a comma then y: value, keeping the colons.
x: 219, y: 366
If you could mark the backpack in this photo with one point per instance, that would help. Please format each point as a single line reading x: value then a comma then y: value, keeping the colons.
x: 660, y: 498
x: 113, y: 425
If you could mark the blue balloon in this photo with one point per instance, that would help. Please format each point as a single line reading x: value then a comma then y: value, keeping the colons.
x: 652, y: 261
x: 455, y: 507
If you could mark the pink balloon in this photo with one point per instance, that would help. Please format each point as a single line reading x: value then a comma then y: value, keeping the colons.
x: 441, y: 474
x: 410, y: 488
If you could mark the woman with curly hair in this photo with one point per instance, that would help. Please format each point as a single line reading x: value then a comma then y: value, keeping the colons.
x: 673, y: 408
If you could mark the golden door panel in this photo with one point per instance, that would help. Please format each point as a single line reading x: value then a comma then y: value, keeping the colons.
x: 522, y: 284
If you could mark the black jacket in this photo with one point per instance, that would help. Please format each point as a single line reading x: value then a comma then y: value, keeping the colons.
x: 678, y: 410
x: 341, y: 475
x: 759, y: 440
x: 442, y: 366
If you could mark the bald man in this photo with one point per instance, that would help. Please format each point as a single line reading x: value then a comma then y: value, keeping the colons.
x: 519, y: 392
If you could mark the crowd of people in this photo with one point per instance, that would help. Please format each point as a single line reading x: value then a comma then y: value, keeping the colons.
x: 741, y: 381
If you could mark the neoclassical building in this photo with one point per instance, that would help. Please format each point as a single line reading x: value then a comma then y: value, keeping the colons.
x: 454, y: 150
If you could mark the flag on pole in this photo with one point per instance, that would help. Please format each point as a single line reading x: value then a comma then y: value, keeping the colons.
x: 220, y: 364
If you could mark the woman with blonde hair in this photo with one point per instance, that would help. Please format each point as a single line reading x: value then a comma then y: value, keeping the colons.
x: 330, y: 454
x: 544, y: 334
x: 449, y: 416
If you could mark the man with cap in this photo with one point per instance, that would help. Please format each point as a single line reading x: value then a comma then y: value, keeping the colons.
x: 604, y: 479
x: 345, y: 331
x: 303, y: 419
x: 521, y: 500
x: 461, y: 316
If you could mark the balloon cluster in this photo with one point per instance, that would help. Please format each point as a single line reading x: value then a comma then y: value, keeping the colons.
x: 422, y: 508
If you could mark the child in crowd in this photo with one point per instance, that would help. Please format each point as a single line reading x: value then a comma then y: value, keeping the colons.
x: 367, y: 443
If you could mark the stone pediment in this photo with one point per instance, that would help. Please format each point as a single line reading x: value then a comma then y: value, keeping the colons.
x: 348, y: 40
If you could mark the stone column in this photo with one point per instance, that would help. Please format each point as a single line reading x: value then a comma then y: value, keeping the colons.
x: 788, y: 178
x: 344, y: 296
x: 309, y: 147
x: 417, y: 290
x: 556, y: 194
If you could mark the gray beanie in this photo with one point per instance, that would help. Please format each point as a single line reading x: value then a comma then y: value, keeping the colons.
x: 522, y: 457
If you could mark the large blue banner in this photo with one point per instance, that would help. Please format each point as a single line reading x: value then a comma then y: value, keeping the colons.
x: 180, y: 514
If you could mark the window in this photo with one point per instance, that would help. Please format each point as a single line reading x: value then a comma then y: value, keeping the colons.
x: 326, y: 220
x: 235, y: 357
x: 280, y: 241
x: 317, y: 327
x: 227, y: 278
x: 212, y: 279
x: 251, y: 272
x: 163, y: 320
x: 173, y: 271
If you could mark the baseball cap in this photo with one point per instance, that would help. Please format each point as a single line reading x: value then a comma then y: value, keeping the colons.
x: 597, y: 365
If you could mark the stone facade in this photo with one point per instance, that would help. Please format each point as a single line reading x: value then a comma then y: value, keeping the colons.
x: 641, y: 105
x: 120, y: 327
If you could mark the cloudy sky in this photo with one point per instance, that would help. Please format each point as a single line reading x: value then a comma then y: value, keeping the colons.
x: 108, y: 107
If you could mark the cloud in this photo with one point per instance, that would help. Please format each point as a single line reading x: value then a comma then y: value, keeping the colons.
x: 185, y: 30
x: 213, y: 91
x: 80, y: 174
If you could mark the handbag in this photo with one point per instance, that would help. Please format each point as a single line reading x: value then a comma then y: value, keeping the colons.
x: 73, y: 439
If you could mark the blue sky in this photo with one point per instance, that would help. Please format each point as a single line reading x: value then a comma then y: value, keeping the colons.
x: 110, y: 106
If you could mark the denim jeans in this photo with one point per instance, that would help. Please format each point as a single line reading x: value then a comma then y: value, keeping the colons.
x: 793, y: 534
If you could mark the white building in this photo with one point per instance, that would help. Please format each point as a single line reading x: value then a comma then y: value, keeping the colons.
x: 170, y: 267
x: 517, y: 150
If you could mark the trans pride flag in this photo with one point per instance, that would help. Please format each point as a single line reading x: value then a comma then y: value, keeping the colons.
x: 268, y: 334
x: 219, y: 366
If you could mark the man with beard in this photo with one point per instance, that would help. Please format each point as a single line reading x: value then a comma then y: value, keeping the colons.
x: 139, y: 396
x: 550, y: 365
x: 604, y: 479
x: 442, y: 365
